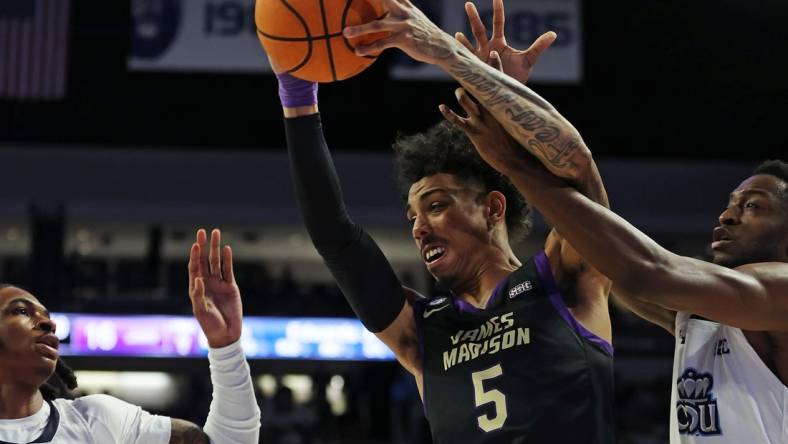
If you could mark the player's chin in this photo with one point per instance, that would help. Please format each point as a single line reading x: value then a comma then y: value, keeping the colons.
x: 42, y: 367
x: 440, y: 267
x: 725, y: 259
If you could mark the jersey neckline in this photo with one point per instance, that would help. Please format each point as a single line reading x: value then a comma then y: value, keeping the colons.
x: 50, y: 429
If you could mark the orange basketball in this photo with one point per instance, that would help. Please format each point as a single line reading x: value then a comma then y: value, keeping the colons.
x: 304, y: 37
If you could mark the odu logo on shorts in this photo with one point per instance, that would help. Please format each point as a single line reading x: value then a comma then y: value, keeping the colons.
x: 696, y: 409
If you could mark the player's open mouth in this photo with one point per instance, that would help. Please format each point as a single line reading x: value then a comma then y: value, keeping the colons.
x: 432, y: 254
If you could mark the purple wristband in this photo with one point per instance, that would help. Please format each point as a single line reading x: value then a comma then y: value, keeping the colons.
x: 294, y: 92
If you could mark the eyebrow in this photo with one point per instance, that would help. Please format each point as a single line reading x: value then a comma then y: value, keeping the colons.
x: 426, y: 194
x: 30, y: 303
x: 758, y: 191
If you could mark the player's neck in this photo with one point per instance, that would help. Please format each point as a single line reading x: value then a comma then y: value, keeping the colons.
x: 478, y: 290
x: 19, y: 400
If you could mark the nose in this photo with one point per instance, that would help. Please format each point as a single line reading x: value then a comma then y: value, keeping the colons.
x: 47, y: 325
x: 420, y: 228
x: 730, y: 215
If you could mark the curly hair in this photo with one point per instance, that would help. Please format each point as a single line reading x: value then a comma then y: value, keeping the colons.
x: 444, y: 148
x: 776, y: 168
x: 62, y: 381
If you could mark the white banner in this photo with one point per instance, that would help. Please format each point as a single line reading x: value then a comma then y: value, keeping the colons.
x: 195, y: 35
x: 220, y: 35
x: 525, y: 21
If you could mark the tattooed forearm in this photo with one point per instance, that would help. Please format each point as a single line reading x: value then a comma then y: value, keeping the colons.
x: 499, y: 89
x: 559, y: 156
x: 531, y: 120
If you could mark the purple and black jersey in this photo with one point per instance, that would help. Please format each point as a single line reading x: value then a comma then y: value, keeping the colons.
x: 522, y: 370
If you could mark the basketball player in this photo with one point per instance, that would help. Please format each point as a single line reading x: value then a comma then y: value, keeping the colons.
x: 730, y: 318
x: 518, y: 352
x: 31, y: 412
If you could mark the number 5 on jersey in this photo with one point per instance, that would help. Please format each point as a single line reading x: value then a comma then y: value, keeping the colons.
x: 496, y: 397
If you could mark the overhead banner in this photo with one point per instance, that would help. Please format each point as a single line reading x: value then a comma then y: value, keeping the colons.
x: 220, y: 35
x: 525, y: 21
x: 195, y: 35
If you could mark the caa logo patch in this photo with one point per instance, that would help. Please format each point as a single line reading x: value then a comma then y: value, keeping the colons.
x: 437, y: 301
x: 520, y: 289
x: 696, y: 409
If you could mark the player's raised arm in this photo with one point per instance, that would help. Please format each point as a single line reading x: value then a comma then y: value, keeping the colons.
x: 569, y: 268
x: 750, y: 296
x: 530, y: 119
x: 354, y: 259
x: 216, y: 303
x: 483, y: 130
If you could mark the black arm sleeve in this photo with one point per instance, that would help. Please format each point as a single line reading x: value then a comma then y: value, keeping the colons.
x: 359, y: 267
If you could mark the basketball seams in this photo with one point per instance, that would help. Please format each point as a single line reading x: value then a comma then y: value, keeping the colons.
x: 297, y: 39
x: 277, y: 29
x: 328, y: 41
x: 308, y: 39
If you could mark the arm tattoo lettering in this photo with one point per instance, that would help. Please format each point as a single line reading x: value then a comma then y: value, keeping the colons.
x: 543, y: 139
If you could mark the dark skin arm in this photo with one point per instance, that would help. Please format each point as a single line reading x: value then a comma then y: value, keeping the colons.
x: 570, y: 270
x: 750, y: 297
x: 590, y: 288
x: 531, y: 121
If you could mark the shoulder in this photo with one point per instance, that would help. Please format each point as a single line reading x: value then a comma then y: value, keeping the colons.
x: 769, y: 278
x: 107, y: 415
x: 767, y: 272
x: 101, y: 405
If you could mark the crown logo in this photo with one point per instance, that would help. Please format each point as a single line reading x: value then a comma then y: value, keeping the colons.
x: 693, y: 385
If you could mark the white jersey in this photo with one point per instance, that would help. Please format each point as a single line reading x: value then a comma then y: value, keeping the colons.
x: 722, y: 391
x: 94, y: 419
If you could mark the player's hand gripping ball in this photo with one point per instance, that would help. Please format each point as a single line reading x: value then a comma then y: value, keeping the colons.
x: 304, y: 37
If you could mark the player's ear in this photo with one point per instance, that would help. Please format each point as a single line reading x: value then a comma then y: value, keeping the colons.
x: 496, y: 208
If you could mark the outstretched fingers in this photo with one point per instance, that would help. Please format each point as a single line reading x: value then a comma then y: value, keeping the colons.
x: 214, y: 258
x: 202, y: 241
x: 464, y: 41
x: 194, y: 265
x: 468, y: 124
x: 227, y: 264
x: 499, y: 19
x: 198, y: 296
x: 495, y: 60
x: 477, y: 26
x: 539, y: 46
x: 454, y: 118
x: 467, y: 102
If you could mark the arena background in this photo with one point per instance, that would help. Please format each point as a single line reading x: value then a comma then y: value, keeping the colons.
x: 107, y: 173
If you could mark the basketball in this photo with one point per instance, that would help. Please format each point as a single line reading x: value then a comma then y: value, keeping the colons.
x: 304, y: 37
